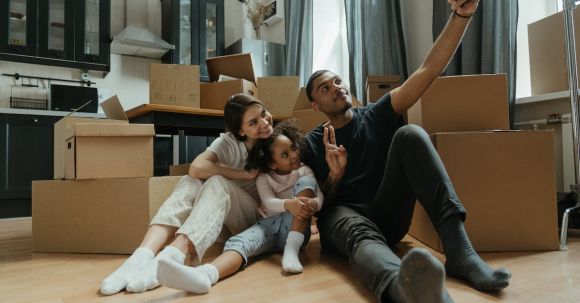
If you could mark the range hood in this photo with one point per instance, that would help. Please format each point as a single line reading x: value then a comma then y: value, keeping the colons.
x: 136, y: 39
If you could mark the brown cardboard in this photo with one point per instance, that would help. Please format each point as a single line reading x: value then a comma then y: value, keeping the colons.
x: 509, y: 192
x: 378, y: 85
x: 174, y: 84
x: 214, y: 95
x: 546, y: 42
x: 278, y: 94
x: 95, y: 216
x: 179, y: 170
x: 308, y: 117
x: 98, y: 151
x: 463, y: 103
x: 115, y: 114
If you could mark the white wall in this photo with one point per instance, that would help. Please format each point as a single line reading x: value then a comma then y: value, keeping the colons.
x: 129, y: 76
x: 417, y: 29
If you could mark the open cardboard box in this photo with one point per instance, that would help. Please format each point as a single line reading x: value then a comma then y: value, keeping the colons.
x: 114, y: 113
x: 278, y: 93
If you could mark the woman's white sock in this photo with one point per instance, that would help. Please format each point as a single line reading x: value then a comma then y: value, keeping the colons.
x: 119, y: 279
x: 146, y: 279
x: 290, y: 262
x: 196, y: 280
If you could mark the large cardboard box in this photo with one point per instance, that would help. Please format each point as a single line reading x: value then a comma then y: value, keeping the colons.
x: 98, y: 151
x: 548, y: 64
x: 278, y: 94
x: 308, y: 117
x: 508, y: 192
x: 463, y: 103
x: 113, y: 111
x: 95, y: 216
x: 174, y: 84
x: 379, y: 85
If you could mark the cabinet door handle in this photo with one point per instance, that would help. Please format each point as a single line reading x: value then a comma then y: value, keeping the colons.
x: 33, y: 120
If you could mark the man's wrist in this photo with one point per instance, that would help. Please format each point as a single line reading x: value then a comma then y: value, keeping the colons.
x: 456, y: 14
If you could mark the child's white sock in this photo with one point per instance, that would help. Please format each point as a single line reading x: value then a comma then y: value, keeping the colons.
x: 196, y: 280
x: 290, y: 262
x: 119, y: 279
x: 146, y: 279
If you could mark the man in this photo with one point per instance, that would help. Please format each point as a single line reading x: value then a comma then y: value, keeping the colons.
x: 370, y: 197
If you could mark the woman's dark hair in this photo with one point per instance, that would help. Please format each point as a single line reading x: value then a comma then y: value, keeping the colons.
x: 260, y: 157
x: 313, y: 77
x: 234, y: 111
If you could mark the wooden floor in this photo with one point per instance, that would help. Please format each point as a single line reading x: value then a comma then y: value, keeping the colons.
x: 26, y: 277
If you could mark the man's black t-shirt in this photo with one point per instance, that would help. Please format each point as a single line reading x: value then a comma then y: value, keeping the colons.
x: 367, y: 138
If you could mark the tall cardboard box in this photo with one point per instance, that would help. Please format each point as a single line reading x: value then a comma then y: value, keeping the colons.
x: 114, y: 113
x: 308, y: 118
x: 215, y: 94
x: 98, y: 151
x: 174, y: 84
x: 95, y: 216
x: 509, y: 192
x: 548, y: 64
x: 379, y: 85
x: 463, y: 103
x: 278, y: 94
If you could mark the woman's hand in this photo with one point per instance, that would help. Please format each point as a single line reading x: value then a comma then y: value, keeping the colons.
x: 250, y: 174
x: 464, y: 7
x: 298, y: 208
x: 336, y: 156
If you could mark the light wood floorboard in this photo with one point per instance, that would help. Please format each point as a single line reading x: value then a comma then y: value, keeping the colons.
x: 27, y: 277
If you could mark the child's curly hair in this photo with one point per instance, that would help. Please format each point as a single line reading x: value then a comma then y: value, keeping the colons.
x: 260, y: 157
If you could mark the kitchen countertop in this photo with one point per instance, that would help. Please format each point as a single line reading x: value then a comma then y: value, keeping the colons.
x: 20, y: 111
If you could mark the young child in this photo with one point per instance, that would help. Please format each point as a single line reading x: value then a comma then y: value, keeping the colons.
x: 289, y: 195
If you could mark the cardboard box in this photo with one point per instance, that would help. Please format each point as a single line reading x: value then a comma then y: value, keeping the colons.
x: 278, y: 94
x: 548, y: 64
x: 113, y: 111
x: 379, y: 85
x: 463, y: 103
x: 98, y: 151
x: 179, y: 170
x: 308, y: 117
x: 95, y: 216
x: 508, y: 192
x: 174, y: 84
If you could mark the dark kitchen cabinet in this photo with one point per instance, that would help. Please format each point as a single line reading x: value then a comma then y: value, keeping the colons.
x: 26, y: 154
x: 64, y: 33
x: 196, y: 28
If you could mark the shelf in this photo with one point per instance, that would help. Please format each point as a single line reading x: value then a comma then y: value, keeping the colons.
x: 544, y: 97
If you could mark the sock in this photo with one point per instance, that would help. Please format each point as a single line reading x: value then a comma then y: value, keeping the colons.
x: 146, y: 279
x: 464, y: 263
x: 196, y: 280
x: 290, y: 261
x: 119, y: 279
x: 421, y: 279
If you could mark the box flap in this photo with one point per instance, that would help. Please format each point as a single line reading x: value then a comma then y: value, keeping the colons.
x: 238, y: 66
x: 383, y: 79
x: 113, y: 109
x: 113, y: 130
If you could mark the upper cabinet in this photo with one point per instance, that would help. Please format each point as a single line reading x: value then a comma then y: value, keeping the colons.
x: 196, y: 28
x: 65, y: 33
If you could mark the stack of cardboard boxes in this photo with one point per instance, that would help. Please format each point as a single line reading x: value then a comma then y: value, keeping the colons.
x: 104, y: 195
x: 505, y: 179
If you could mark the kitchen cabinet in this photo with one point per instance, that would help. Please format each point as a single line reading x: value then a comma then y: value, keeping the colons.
x: 64, y: 33
x: 196, y: 28
x: 26, y: 153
